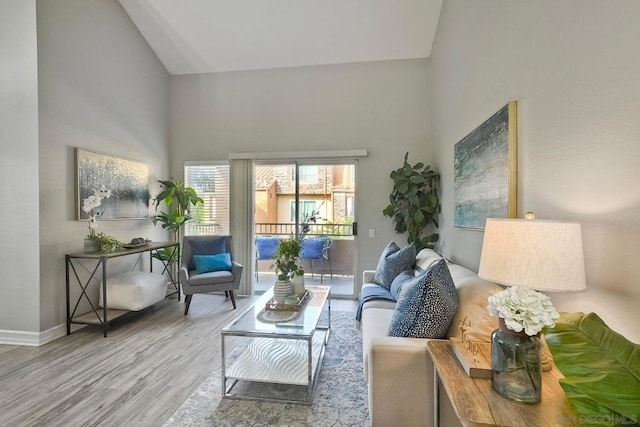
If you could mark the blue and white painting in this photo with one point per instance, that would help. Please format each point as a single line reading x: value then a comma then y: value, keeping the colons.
x: 482, y: 174
x: 128, y: 181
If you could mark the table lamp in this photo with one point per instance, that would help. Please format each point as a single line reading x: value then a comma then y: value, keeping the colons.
x: 541, y: 255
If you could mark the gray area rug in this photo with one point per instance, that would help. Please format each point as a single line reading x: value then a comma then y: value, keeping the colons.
x: 340, y: 398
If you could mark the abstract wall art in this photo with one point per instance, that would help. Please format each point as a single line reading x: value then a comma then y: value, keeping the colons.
x: 127, y: 179
x: 485, y: 171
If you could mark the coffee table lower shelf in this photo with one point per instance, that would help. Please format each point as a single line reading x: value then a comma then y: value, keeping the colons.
x: 290, y: 361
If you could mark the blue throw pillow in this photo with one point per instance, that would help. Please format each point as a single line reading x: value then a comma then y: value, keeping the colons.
x: 209, y: 263
x: 206, y: 247
x: 266, y: 247
x: 426, y: 305
x: 312, y: 248
x: 399, y: 281
x: 392, y: 262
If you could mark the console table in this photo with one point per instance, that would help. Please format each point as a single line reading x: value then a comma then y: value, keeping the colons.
x: 477, y: 404
x: 103, y: 316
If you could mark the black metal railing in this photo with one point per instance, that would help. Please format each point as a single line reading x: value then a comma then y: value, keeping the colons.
x: 284, y: 229
x: 279, y: 229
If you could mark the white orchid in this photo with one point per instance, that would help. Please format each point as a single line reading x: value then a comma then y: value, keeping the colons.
x: 93, y: 221
x: 102, y: 193
x: 523, y: 309
x: 92, y: 202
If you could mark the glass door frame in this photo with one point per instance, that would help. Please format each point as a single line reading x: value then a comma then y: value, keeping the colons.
x: 297, y: 164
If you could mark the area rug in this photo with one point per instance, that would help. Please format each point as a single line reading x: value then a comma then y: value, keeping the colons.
x: 340, y: 398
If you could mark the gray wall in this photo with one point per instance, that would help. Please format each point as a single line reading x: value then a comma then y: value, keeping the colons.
x: 573, y: 68
x: 19, y: 282
x: 570, y: 66
x: 101, y: 88
x: 380, y: 106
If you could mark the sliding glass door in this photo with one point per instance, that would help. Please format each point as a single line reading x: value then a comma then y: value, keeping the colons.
x: 314, y: 201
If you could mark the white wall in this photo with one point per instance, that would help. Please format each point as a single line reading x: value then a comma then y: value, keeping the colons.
x: 19, y: 282
x: 573, y: 67
x: 101, y: 88
x: 380, y: 106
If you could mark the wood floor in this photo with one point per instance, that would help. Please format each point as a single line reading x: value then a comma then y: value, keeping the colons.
x: 149, y: 364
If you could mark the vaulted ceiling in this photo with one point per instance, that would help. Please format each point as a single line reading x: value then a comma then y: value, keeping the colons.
x: 203, y: 36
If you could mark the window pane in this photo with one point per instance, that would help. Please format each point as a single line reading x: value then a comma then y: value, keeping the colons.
x: 309, y: 173
x: 211, y: 183
x: 306, y: 209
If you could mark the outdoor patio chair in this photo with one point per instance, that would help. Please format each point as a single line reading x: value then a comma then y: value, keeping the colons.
x: 266, y: 247
x: 317, y: 249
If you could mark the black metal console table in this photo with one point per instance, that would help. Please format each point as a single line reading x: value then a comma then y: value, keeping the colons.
x: 103, y: 316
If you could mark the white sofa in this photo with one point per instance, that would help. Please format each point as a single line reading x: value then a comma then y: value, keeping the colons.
x: 399, y: 371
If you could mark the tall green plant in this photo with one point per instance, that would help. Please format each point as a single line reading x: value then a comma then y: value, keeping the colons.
x: 414, y: 203
x: 178, y: 200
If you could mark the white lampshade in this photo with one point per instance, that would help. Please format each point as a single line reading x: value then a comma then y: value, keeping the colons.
x: 538, y: 254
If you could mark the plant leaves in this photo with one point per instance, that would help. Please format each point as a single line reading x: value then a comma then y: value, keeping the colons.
x: 417, y: 179
x: 414, y: 203
x: 601, y: 367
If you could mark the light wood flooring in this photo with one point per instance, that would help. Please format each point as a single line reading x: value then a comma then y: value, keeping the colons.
x: 149, y: 364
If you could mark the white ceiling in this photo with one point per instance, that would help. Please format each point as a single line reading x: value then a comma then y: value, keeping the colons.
x: 202, y: 36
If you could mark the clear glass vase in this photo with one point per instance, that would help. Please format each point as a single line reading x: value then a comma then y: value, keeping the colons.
x: 516, y: 366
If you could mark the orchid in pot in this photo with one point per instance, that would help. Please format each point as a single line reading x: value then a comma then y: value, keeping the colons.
x: 515, y: 345
x: 90, y: 204
x: 97, y: 241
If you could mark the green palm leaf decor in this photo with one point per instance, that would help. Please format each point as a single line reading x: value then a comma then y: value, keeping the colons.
x: 601, y: 369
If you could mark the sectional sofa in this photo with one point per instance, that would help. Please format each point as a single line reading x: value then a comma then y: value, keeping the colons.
x: 399, y: 371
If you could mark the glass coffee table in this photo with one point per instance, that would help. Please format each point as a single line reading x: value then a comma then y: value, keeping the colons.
x: 277, y: 354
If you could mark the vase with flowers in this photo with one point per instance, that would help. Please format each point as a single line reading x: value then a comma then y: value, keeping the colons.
x: 515, y: 345
x: 93, y: 241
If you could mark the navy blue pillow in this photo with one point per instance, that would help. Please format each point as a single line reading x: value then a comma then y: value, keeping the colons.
x: 399, y: 281
x: 393, y: 261
x: 206, y: 247
x: 426, y: 305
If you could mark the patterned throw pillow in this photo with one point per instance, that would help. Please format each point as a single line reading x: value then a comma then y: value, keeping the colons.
x: 392, y: 262
x: 399, y: 282
x: 426, y: 305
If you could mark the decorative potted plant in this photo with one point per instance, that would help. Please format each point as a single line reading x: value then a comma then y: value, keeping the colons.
x: 97, y: 242
x: 178, y: 200
x: 515, y: 347
x: 286, y: 266
x: 414, y: 202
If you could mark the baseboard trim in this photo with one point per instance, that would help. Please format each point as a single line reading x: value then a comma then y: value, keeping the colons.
x: 35, y: 339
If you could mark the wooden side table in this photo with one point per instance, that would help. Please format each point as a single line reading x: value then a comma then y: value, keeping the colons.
x: 477, y: 404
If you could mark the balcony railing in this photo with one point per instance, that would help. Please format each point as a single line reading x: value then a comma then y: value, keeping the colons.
x: 279, y: 229
x: 203, y: 229
x: 285, y: 229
